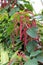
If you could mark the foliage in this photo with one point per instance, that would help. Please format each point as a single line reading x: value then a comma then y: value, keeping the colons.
x: 21, y: 36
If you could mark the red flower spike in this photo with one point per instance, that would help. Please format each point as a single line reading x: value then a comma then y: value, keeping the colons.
x: 21, y: 26
x: 27, y: 18
x: 13, y: 5
x: 34, y: 23
x: 29, y: 25
x: 4, y: 3
x: 21, y: 54
x: 21, y: 17
x: 25, y: 36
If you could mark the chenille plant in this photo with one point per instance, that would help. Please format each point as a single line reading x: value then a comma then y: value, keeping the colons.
x: 21, y: 35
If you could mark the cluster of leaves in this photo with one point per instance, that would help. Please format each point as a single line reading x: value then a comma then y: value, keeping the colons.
x: 21, y: 4
x: 20, y: 39
x: 32, y: 52
x: 40, y: 31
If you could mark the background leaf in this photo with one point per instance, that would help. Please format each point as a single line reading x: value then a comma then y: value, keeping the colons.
x: 31, y: 62
x: 32, y: 32
x: 13, y: 11
x: 35, y: 53
x: 10, y: 29
x: 31, y: 46
x: 40, y: 58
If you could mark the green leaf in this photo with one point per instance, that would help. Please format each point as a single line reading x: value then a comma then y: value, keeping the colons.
x: 32, y: 32
x: 31, y: 46
x: 0, y: 39
x: 29, y: 7
x: 31, y: 62
x: 0, y: 34
x: 41, y: 37
x: 4, y: 57
x: 14, y: 55
x: 10, y: 29
x: 13, y: 58
x: 26, y: 4
x: 13, y: 11
x: 18, y: 41
x: 35, y: 53
x: 38, y: 17
x: 40, y: 58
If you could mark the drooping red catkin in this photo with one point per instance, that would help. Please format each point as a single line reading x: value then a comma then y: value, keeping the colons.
x: 13, y: 5
x: 25, y: 37
x: 21, y: 27
x: 27, y: 18
x: 22, y: 55
x: 34, y: 23
x: 8, y: 1
x: 29, y: 25
x: 4, y: 2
